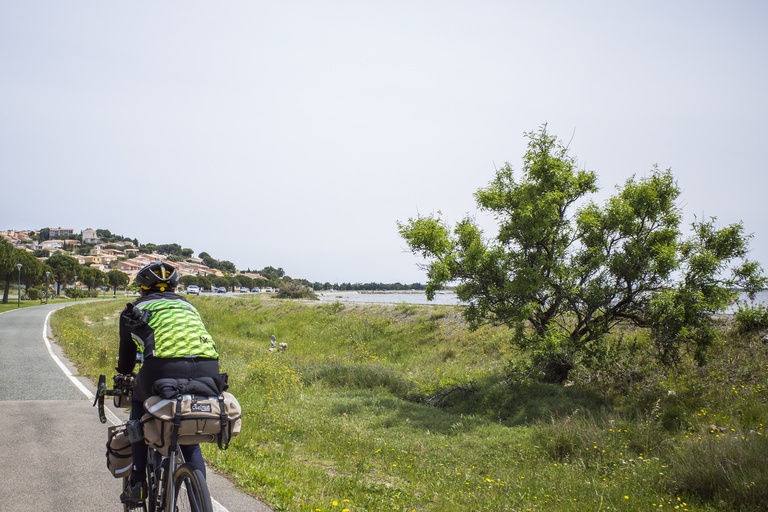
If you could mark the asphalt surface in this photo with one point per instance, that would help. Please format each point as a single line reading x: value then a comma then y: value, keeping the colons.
x: 52, y: 445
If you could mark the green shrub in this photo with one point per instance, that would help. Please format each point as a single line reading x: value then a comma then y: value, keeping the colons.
x: 33, y: 293
x: 750, y: 316
x: 77, y: 293
x: 294, y: 290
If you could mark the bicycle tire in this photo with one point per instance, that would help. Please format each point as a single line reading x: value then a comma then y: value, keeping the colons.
x: 191, y: 490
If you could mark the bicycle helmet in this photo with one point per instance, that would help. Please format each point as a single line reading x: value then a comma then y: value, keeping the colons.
x: 157, y: 275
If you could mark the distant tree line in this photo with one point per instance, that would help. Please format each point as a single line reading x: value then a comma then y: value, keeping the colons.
x: 273, y: 276
x: 387, y: 287
x: 230, y: 282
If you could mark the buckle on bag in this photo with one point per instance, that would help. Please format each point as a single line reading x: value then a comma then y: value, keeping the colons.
x: 134, y: 431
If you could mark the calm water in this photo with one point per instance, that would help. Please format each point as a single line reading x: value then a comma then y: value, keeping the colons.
x: 444, y: 299
x: 761, y: 299
x: 450, y: 299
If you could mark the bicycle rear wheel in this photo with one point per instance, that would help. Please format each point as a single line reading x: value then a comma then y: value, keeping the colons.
x: 190, y: 490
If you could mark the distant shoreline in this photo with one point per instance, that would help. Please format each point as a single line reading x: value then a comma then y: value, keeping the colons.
x: 382, y: 292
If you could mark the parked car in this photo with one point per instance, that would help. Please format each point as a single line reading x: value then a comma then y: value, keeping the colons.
x: 193, y: 289
x: 269, y: 289
x: 243, y: 289
x: 256, y: 290
x: 221, y: 289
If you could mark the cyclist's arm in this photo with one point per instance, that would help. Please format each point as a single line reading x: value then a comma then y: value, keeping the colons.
x: 127, y: 353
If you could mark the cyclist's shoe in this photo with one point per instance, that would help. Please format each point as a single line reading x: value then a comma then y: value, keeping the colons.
x: 134, y: 493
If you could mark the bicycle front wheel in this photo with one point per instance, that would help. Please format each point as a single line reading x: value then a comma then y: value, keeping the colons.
x: 190, y: 490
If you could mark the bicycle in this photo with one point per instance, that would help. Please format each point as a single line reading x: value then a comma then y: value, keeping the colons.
x: 164, y: 473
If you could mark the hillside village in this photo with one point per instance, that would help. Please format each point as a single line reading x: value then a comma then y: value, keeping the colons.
x: 121, y: 255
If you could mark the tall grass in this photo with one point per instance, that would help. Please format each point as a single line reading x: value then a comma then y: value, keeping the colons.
x: 403, y: 408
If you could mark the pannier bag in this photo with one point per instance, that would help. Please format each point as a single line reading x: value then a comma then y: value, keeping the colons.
x: 213, y: 419
x: 119, y: 459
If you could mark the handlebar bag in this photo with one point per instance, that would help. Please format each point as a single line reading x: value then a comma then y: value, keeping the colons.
x: 119, y: 457
x: 124, y: 382
x: 212, y: 419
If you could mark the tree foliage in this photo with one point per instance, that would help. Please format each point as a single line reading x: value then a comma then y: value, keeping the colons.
x: 63, y: 269
x: 117, y: 278
x: 203, y: 282
x: 32, y: 272
x: 223, y: 265
x: 563, y: 271
x: 91, y: 277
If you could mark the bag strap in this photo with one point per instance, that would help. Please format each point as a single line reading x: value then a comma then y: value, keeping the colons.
x: 223, y: 435
x: 176, y: 421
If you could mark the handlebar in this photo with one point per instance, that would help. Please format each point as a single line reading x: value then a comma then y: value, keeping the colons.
x: 102, y: 391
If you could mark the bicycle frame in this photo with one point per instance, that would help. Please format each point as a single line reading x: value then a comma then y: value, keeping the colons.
x: 160, y: 468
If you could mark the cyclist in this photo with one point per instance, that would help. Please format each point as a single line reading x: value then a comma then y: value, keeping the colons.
x: 175, y: 344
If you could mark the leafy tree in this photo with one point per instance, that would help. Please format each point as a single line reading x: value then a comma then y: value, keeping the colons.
x: 188, y: 280
x: 63, y: 268
x: 44, y: 234
x: 147, y: 248
x: 208, y: 261
x: 169, y: 249
x: 10, y: 257
x: 32, y: 270
x: 227, y: 266
x: 187, y: 253
x: 204, y: 282
x: 245, y: 281
x: 117, y: 278
x: 272, y: 273
x: 91, y: 277
x: 561, y: 276
x: 220, y: 282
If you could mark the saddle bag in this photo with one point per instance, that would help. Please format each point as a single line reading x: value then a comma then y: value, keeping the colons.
x: 119, y: 456
x: 212, y: 419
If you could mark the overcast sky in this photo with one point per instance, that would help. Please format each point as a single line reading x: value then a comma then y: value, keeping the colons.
x: 296, y: 134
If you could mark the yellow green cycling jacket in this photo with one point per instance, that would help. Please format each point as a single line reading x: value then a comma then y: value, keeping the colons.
x: 162, y: 325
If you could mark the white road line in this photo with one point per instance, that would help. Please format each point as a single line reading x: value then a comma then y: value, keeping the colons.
x: 217, y: 507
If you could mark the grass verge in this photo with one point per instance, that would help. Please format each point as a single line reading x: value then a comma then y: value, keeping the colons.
x: 403, y: 408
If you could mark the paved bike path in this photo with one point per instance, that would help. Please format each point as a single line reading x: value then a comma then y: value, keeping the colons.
x: 52, y: 446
